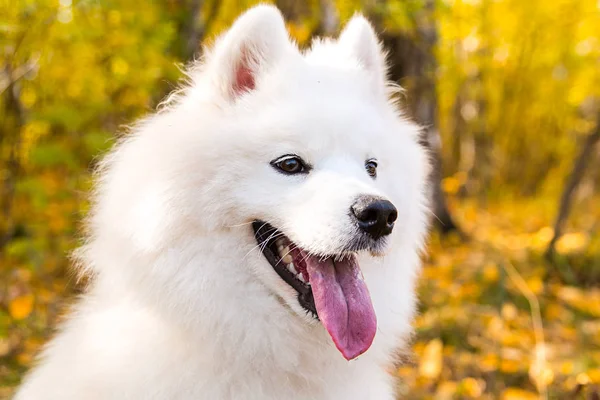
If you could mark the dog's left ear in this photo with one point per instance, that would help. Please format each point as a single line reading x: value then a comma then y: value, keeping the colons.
x: 255, y: 42
x: 359, y: 40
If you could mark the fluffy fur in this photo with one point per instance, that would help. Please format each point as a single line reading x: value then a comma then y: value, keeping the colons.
x: 183, y: 304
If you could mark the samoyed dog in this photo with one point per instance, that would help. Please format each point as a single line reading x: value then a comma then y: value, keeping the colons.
x: 258, y: 238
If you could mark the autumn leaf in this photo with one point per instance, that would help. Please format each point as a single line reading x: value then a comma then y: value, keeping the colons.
x: 518, y: 394
x: 20, y: 307
x: 4, y: 347
x: 431, y: 360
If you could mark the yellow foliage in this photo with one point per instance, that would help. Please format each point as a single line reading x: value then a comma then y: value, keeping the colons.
x: 518, y: 394
x: 21, y: 306
x: 509, y: 311
x: 490, y: 273
x: 583, y: 379
x: 509, y: 90
x: 450, y: 185
x: 119, y: 66
x: 471, y: 387
x: 542, y: 237
x: 510, y: 366
x: 594, y: 375
x: 5, y: 347
x: 446, y: 390
x: 300, y: 32
x: 535, y: 284
x: 572, y: 242
x: 489, y: 362
x: 587, y: 301
x: 28, y: 97
x: 430, y: 365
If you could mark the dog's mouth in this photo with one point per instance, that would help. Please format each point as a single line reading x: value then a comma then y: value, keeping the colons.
x: 331, y: 288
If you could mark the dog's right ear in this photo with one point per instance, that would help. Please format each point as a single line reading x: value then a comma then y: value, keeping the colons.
x: 359, y: 40
x: 257, y: 39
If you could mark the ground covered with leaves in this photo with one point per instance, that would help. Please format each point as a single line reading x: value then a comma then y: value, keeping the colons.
x: 496, y: 319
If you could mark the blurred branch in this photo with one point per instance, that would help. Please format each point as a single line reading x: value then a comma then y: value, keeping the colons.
x: 566, y: 200
x: 13, y: 122
x: 329, y: 20
x: 539, y: 366
x: 192, y: 29
x: 211, y: 16
x: 11, y: 126
x: 9, y: 78
x: 428, y: 31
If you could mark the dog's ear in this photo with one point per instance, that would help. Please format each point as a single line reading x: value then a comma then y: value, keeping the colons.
x: 254, y: 43
x: 359, y: 41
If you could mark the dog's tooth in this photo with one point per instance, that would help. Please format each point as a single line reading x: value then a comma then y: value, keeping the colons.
x: 287, y: 258
x: 281, y: 248
x: 291, y: 268
x: 301, y: 277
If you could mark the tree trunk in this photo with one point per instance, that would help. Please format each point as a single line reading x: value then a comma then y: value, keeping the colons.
x: 192, y: 30
x: 329, y: 20
x: 10, y: 133
x: 192, y: 27
x: 570, y: 189
x: 413, y: 64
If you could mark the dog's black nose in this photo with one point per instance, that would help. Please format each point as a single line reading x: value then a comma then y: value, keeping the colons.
x: 375, y: 215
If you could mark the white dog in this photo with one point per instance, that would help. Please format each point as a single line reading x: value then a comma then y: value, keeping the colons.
x: 255, y: 237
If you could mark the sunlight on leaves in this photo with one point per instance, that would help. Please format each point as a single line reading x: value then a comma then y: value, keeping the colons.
x: 20, y: 307
x: 518, y: 394
x: 431, y: 361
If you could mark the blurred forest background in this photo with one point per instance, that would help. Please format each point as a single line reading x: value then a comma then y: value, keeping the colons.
x: 509, y: 91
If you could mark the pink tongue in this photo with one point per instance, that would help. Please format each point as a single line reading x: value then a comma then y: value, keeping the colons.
x: 343, y: 304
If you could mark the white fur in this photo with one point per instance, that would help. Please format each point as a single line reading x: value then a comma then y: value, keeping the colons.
x: 183, y: 304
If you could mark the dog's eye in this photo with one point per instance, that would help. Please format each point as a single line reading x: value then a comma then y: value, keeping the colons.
x: 290, y: 164
x: 371, y: 167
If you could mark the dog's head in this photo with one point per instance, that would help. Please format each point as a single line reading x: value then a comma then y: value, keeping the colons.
x: 304, y: 156
x: 325, y: 168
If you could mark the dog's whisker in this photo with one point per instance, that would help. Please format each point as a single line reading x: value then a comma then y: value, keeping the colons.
x: 263, y: 243
x: 305, y: 257
x: 262, y: 226
x: 240, y: 225
x: 274, y: 235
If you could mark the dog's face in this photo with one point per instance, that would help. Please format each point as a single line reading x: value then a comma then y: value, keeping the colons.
x: 275, y: 172
x: 322, y: 171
